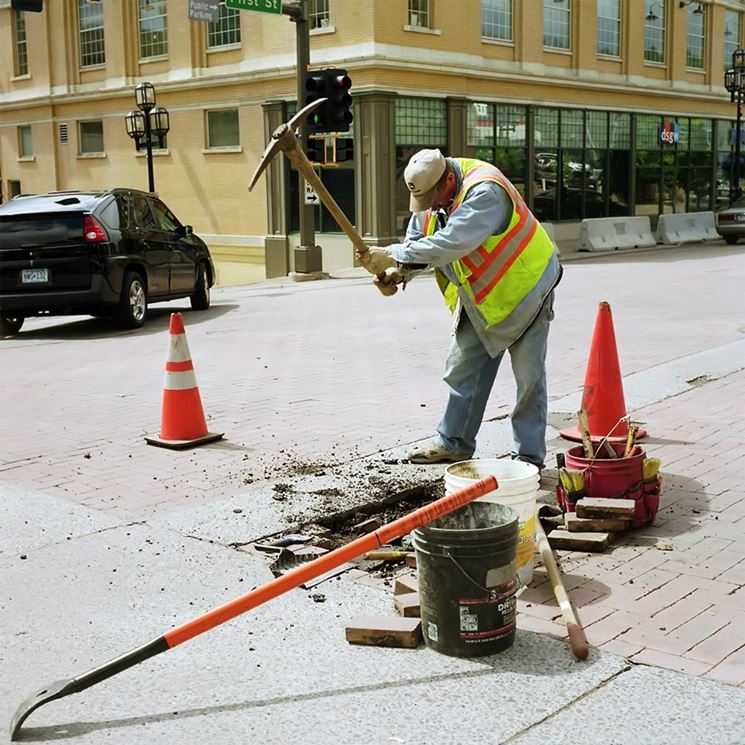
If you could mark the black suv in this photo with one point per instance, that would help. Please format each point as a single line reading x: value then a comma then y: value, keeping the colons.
x: 98, y: 252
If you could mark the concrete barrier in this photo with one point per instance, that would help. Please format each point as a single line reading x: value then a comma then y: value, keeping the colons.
x: 549, y: 228
x: 687, y: 227
x: 610, y: 233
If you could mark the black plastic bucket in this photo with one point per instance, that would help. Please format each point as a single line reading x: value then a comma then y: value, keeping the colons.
x: 466, y: 562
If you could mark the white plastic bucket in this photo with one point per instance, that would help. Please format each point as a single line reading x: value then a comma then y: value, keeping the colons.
x: 518, y: 488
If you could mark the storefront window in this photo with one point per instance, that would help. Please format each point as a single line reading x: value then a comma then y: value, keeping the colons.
x: 420, y: 123
x: 496, y: 134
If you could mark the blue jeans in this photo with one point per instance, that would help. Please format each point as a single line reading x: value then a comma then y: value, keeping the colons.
x: 470, y: 374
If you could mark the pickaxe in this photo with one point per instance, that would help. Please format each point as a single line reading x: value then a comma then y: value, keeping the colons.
x: 284, y: 140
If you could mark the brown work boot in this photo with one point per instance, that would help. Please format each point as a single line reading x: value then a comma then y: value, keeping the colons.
x: 431, y: 452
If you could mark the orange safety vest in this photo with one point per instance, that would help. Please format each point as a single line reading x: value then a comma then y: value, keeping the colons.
x: 499, y: 273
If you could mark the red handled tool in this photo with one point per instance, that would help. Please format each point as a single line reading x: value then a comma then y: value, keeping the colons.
x: 256, y: 597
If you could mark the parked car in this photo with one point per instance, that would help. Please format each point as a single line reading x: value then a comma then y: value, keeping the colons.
x: 731, y: 221
x: 97, y: 252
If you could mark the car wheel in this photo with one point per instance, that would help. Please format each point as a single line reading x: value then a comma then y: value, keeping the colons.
x: 10, y: 325
x: 132, y: 308
x: 200, y: 300
x: 731, y: 239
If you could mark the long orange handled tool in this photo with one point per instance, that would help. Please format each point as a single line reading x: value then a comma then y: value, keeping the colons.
x: 256, y: 597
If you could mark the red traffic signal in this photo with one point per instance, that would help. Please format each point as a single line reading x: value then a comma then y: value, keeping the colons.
x: 339, y: 104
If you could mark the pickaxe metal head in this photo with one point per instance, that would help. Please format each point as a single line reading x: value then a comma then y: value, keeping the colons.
x: 283, y: 139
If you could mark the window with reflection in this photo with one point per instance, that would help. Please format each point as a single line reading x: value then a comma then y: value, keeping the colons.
x: 609, y: 28
x: 731, y: 36
x: 497, y: 134
x: 90, y: 32
x: 496, y: 19
x: 20, y: 58
x: 226, y: 30
x: 556, y: 24
x: 654, y: 30
x: 696, y: 38
x: 153, y: 24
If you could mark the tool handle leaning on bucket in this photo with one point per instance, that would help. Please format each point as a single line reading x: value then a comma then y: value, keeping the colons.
x: 575, y: 631
x: 256, y: 597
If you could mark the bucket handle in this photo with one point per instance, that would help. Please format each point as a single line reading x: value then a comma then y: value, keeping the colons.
x: 624, y: 418
x: 467, y: 575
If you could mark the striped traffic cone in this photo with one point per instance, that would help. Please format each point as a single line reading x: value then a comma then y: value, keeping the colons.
x: 182, y: 423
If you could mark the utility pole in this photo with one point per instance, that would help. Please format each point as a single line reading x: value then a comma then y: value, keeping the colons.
x: 307, y: 255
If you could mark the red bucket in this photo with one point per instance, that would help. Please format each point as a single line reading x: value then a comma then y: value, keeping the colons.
x: 614, y: 478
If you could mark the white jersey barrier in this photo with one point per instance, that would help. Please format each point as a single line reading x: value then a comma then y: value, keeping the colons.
x: 687, y: 227
x: 609, y: 233
x: 549, y: 228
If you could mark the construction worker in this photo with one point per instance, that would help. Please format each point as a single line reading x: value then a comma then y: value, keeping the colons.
x: 497, y: 269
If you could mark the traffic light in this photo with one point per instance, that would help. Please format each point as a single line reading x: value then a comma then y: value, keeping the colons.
x: 344, y: 149
x: 338, y: 114
x: 334, y: 115
x: 316, y: 150
x: 31, y: 5
x: 315, y: 88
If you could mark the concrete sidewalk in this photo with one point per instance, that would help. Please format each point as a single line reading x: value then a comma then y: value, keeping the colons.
x: 107, y: 543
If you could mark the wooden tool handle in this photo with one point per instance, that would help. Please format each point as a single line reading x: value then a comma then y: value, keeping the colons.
x: 576, y: 634
x: 584, y: 430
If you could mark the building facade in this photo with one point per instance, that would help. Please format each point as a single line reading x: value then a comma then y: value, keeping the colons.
x: 591, y: 107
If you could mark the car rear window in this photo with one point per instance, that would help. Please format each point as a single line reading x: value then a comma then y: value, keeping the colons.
x: 22, y: 231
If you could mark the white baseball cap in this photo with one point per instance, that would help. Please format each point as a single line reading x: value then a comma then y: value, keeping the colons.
x: 422, y: 173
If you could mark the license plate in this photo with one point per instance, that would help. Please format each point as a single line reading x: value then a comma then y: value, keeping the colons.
x: 34, y: 276
x: 740, y: 218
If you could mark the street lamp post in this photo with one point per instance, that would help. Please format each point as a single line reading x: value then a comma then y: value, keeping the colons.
x: 734, y: 82
x: 146, y: 124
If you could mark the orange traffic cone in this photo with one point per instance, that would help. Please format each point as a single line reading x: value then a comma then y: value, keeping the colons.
x: 602, y: 397
x: 182, y: 423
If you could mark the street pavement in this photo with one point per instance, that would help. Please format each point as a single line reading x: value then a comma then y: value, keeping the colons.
x: 321, y: 387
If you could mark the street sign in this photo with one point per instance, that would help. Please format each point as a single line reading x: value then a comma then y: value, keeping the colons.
x: 310, y: 195
x: 204, y: 10
x: 265, y: 6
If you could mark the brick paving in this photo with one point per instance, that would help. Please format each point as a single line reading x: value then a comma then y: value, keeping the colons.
x: 329, y: 373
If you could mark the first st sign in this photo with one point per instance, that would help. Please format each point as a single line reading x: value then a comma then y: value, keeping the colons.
x: 264, y: 6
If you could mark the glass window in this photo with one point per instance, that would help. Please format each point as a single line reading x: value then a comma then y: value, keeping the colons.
x: 318, y: 14
x: 222, y: 128
x: 572, y: 128
x: 91, y: 137
x: 143, y: 215
x: 556, y: 17
x: 496, y: 19
x: 546, y: 128
x: 654, y: 31
x: 419, y: 13
x: 153, y: 28
x: 480, y: 125
x: 731, y: 35
x: 92, y: 50
x: 695, y: 40
x: 609, y: 27
x: 164, y: 218
x: 648, y: 132
x: 21, y: 49
x: 25, y: 142
x: 620, y: 131
x: 226, y: 29
x: 597, y: 129
x: 421, y: 122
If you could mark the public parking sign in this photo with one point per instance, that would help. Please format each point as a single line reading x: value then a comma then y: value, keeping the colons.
x: 265, y: 6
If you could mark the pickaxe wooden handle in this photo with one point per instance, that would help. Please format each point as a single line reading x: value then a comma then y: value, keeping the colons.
x: 284, y: 140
